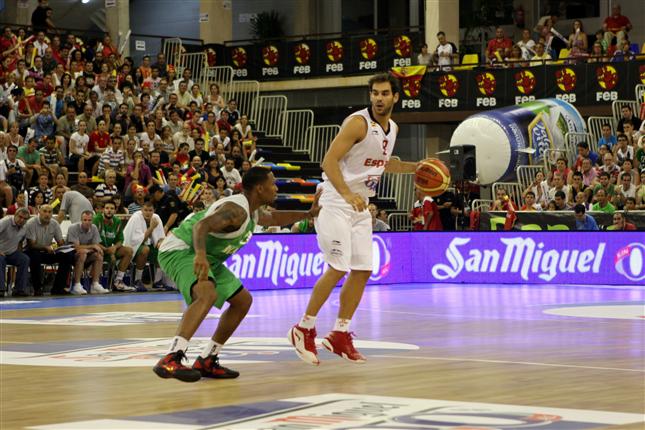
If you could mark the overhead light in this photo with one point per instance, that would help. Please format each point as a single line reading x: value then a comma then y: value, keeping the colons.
x: 85, y: 1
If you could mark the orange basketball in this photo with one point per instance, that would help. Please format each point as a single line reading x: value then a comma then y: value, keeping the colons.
x: 432, y: 177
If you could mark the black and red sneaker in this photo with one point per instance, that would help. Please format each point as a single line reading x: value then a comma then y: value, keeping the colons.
x: 170, y: 367
x: 209, y: 368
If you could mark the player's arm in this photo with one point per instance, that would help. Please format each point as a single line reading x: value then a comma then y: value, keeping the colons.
x: 270, y: 218
x: 353, y: 131
x: 397, y: 166
x: 228, y: 217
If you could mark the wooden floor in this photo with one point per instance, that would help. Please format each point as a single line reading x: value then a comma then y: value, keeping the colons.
x: 514, y: 345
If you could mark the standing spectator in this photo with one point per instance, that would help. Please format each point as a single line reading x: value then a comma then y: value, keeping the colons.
x: 377, y: 224
x: 616, y: 25
x: 446, y: 52
x: 424, y: 58
x: 425, y: 214
x: 499, y: 47
x: 111, y: 234
x: 41, y: 232
x: 620, y: 223
x: 85, y: 237
x: 12, y: 234
x: 584, y: 221
x: 72, y: 203
x: 143, y: 233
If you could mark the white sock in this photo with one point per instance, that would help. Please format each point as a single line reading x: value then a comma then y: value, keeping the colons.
x: 178, y: 344
x: 342, y: 324
x: 119, y: 276
x: 307, y: 322
x: 211, y: 348
x: 138, y: 274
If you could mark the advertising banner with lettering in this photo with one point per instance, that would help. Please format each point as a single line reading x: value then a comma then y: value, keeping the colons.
x: 368, y: 54
x: 549, y: 221
x: 294, y: 261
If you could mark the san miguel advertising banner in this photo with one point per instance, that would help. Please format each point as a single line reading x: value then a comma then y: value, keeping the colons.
x: 341, y: 56
x: 484, y: 89
x: 294, y: 261
x: 550, y: 221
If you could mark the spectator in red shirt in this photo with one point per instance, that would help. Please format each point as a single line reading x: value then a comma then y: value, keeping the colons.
x: 620, y: 223
x: 223, y: 123
x: 425, y: 214
x: 500, y: 44
x: 617, y: 26
x: 99, y: 141
x: 503, y: 201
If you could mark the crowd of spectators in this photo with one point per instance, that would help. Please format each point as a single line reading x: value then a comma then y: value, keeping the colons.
x: 88, y: 136
x: 544, y: 44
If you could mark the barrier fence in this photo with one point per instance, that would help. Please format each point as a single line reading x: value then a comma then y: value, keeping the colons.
x: 296, y: 123
x: 268, y: 114
x: 319, y: 138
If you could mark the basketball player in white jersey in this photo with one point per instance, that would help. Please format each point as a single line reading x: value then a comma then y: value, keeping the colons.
x: 352, y: 167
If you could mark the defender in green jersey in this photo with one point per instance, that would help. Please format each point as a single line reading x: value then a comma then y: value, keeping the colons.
x: 192, y: 255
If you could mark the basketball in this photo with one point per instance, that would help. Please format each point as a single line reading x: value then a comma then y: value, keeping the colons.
x: 432, y: 177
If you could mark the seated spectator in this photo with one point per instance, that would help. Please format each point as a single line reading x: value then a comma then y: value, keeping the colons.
x: 627, y: 168
x: 640, y: 193
x: 143, y: 233
x: 181, y: 156
x: 425, y: 214
x: 113, y: 159
x: 623, y: 52
x: 597, y: 53
x: 582, y: 199
x: 609, y: 167
x: 558, y: 185
x: 562, y: 167
x: 588, y: 173
x: 530, y: 204
x: 607, y: 138
x: 72, y: 203
x: 624, y: 190
x: 584, y: 152
x: 20, y: 203
x: 499, y: 47
x: 43, y: 186
x: 604, y: 183
x: 527, y: 45
x: 52, y: 159
x: 231, y: 174
x: 208, y: 196
x: 31, y: 158
x: 560, y: 200
x: 382, y: 215
x: 630, y: 204
x: 99, y: 142
x: 515, y: 58
x: 12, y: 173
x: 377, y: 224
x: 82, y: 187
x: 12, y: 234
x: 139, y: 198
x: 631, y: 134
x: 138, y: 173
x: 502, y: 202
x: 622, y: 150
x: 221, y: 188
x: 221, y: 139
x: 41, y: 232
x: 84, y: 236
x: 173, y: 184
x: 170, y: 209
x: 224, y: 123
x: 577, y: 186
x: 584, y: 221
x: 602, y: 203
x: 627, y: 115
x: 541, y: 57
x: 78, y: 148
x: 147, y: 139
x: 199, y: 151
x: 620, y: 223
x: 616, y: 25
x: 106, y: 190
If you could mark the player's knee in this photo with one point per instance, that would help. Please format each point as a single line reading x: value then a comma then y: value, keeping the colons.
x: 126, y: 252
x: 243, y: 300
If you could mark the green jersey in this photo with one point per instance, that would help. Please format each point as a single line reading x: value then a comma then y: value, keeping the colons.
x: 219, y: 246
x: 110, y: 233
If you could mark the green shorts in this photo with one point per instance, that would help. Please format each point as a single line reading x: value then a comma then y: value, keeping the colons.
x: 178, y: 265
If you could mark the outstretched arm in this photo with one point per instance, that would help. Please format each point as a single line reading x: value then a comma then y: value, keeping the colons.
x: 270, y: 218
x: 398, y: 166
x: 227, y: 218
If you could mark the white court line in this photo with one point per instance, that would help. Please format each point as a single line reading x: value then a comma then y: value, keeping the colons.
x: 582, y: 304
x: 527, y: 363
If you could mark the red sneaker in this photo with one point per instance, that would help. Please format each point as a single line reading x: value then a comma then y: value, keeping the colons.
x: 340, y: 342
x: 209, y: 368
x: 304, y: 340
x: 170, y: 367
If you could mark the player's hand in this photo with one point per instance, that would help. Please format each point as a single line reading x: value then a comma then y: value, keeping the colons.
x: 201, y: 267
x: 355, y: 201
x: 315, y: 207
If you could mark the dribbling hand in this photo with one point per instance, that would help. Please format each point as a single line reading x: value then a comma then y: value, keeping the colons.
x: 355, y: 201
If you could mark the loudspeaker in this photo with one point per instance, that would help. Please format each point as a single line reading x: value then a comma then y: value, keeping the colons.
x: 462, y: 163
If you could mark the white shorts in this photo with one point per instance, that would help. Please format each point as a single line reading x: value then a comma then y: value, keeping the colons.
x: 344, y: 235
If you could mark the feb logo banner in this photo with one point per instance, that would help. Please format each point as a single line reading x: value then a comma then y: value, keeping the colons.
x: 411, y: 78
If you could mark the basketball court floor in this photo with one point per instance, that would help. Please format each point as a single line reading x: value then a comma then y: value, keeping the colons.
x: 440, y: 356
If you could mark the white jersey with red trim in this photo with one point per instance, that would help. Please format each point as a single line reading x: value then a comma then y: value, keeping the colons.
x: 365, y: 162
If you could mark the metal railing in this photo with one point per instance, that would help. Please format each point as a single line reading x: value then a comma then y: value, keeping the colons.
x: 399, y: 221
x: 197, y: 62
x: 172, y: 50
x: 245, y: 93
x: 481, y: 205
x: 617, y: 105
x: 267, y: 112
x: 513, y: 190
x: 220, y: 75
x: 526, y: 175
x: 318, y: 139
x: 398, y: 187
x: 295, y: 125
x: 595, y: 123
